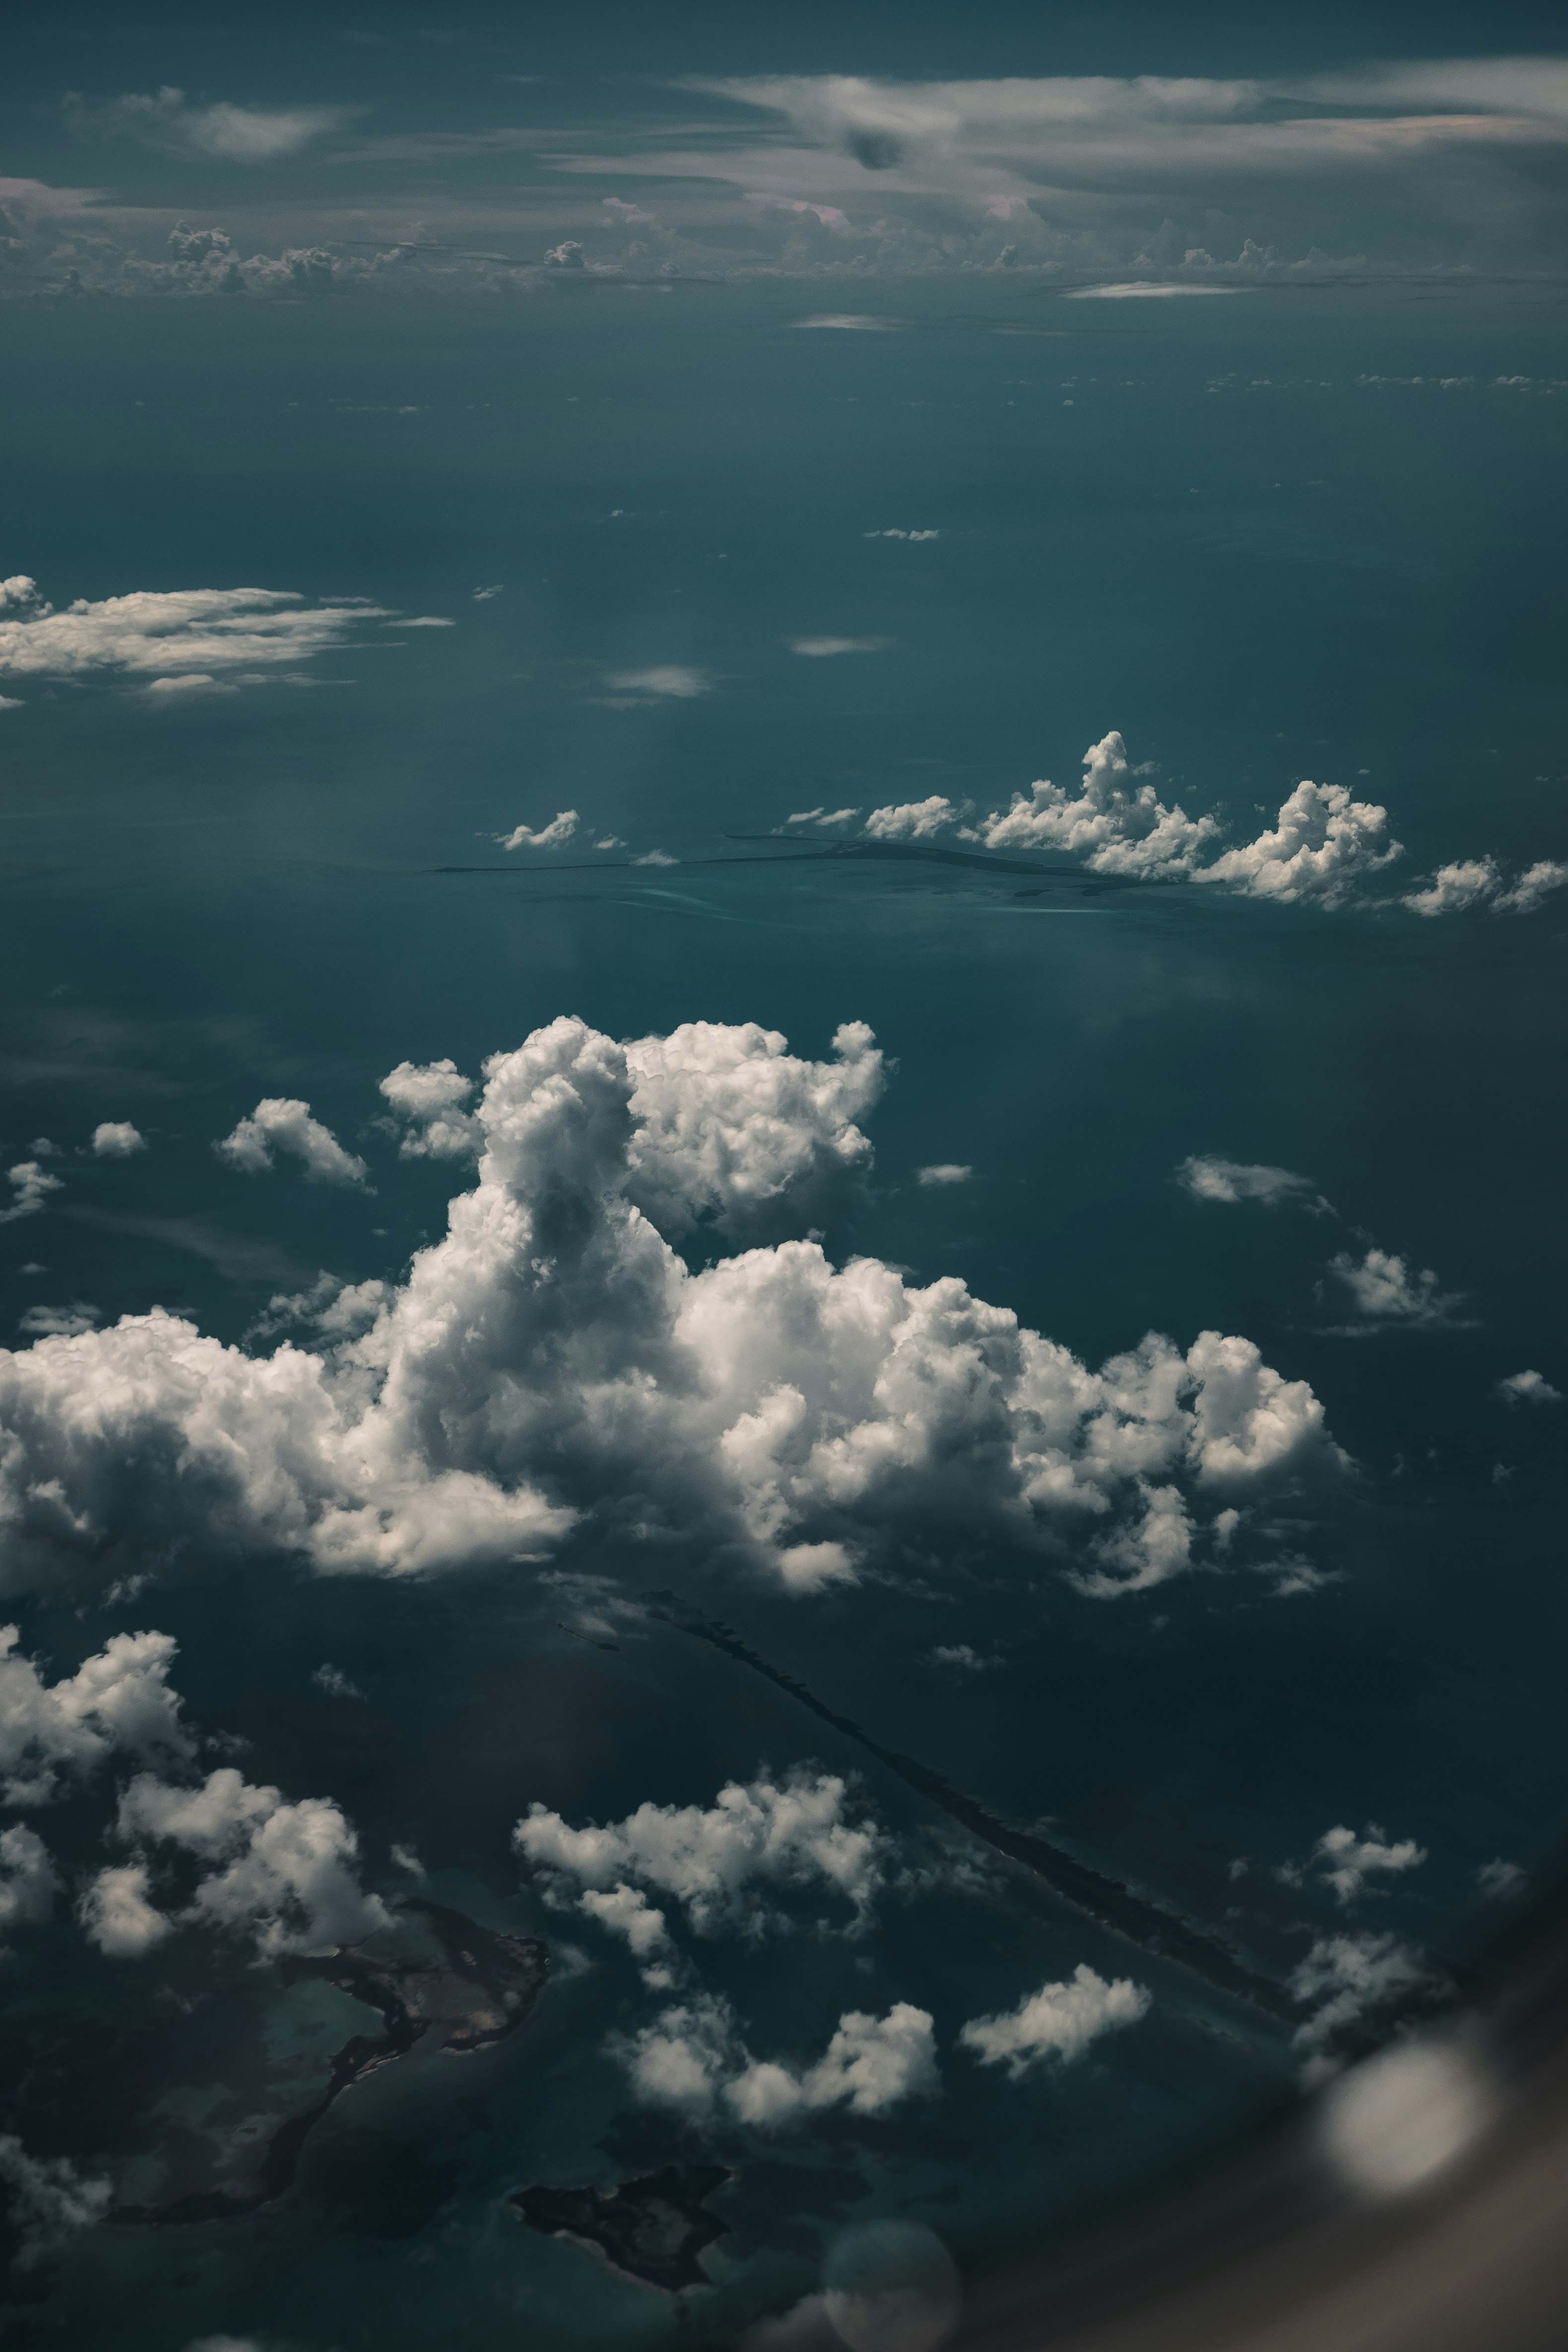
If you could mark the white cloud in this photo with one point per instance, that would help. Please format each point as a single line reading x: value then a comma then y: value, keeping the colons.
x: 913, y: 820
x: 692, y: 2058
x: 1208, y: 1178
x: 1386, y: 1292
x: 188, y: 689
x: 944, y: 1172
x: 286, y: 1874
x: 822, y: 648
x: 118, y: 1915
x: 430, y: 1096
x: 485, y: 595
x: 551, y: 1359
x: 1143, y: 1552
x: 118, y: 1698
x: 823, y: 816
x: 154, y: 635
x: 1059, y: 2022
x: 31, y: 1186
x: 795, y: 1833
x: 1479, y: 881
x: 1117, y: 825
x: 1323, y: 842
x: 116, y: 1139
x: 1528, y: 1388
x: 916, y: 538
x: 1536, y: 884
x: 553, y: 835
x: 669, y: 679
x: 863, y: 322
x: 656, y: 857
x: 58, y: 1322
x: 1500, y: 1880
x: 278, y: 1123
x: 28, y: 1880
x: 1346, y: 1862
x: 225, y: 133
x: 1348, y: 1976
x: 51, y: 2201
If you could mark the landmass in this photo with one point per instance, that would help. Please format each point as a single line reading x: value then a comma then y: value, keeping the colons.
x: 479, y: 1987
x: 651, y: 2230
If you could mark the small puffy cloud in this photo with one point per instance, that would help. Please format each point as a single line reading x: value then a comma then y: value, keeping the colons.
x: 485, y: 595
x: 822, y: 816
x: 1346, y: 1862
x: 118, y: 1914
x: 1386, y: 1292
x: 28, y: 1880
x: 1350, y: 1977
x: 284, y: 1872
x: 796, y: 1833
x: 430, y: 1096
x: 1059, y: 2022
x: 1528, y: 1388
x: 333, y: 1683
x: 278, y: 1123
x: 823, y: 649
x: 1207, y: 1178
x: 692, y: 2058
x: 671, y: 679
x: 118, y: 1699
x: 961, y: 1654
x: 116, y: 1139
x: 1322, y: 844
x: 553, y: 835
x: 30, y: 1188
x: 1479, y: 881
x: 1115, y: 824
x: 51, y: 2201
x: 911, y: 821
x: 222, y: 133
x: 567, y: 254
x: 943, y: 1172
x: 161, y: 635
x: 656, y: 857
x: 337, y: 1309
x: 1500, y: 1880
x: 58, y: 1322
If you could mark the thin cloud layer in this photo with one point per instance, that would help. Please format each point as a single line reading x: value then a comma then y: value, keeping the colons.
x: 152, y: 636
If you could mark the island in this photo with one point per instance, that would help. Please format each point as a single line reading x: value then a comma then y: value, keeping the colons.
x: 651, y: 2230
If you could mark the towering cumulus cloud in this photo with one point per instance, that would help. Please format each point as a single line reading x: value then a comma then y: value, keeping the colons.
x: 553, y: 1360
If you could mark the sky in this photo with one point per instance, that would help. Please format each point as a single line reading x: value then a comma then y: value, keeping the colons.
x: 783, y: 849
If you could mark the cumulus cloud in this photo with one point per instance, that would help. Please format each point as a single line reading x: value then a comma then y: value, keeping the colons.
x: 551, y: 1358
x: 668, y: 678
x: 278, y: 1123
x: 692, y: 2058
x: 553, y: 835
x: 30, y: 1188
x: 1528, y: 1388
x: 1479, y: 881
x: 1117, y: 825
x: 1208, y: 1178
x: 28, y: 1880
x: 154, y: 635
x: 1387, y: 1293
x: 118, y: 1698
x: 284, y: 1872
x: 117, y: 1913
x: 116, y: 1139
x: 797, y: 1834
x: 1346, y: 1862
x: 1322, y: 844
x: 430, y: 1096
x: 1350, y: 1977
x: 912, y: 820
x: 1059, y: 2022
x: 49, y: 2199
x: 944, y: 1172
x: 225, y: 133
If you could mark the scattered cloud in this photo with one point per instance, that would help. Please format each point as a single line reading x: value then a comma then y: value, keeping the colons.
x: 672, y: 680
x: 1059, y: 2022
x: 1500, y: 1880
x: 822, y: 816
x: 332, y: 1683
x: 553, y: 835
x: 429, y: 1096
x: 175, y: 641
x: 1528, y: 1388
x: 1115, y: 825
x: 116, y: 1139
x: 51, y: 2201
x: 862, y: 322
x: 118, y: 1699
x: 915, y: 536
x: 656, y: 857
x: 1386, y: 1293
x: 485, y: 595
x: 30, y: 1188
x: 220, y: 133
x: 1352, y: 1977
x: 1346, y: 1862
x: 944, y: 1172
x: 1479, y: 881
x: 1208, y: 1178
x: 278, y: 1123
x: 692, y: 2058
x: 1136, y: 289
x: 911, y: 821
x: 1323, y: 842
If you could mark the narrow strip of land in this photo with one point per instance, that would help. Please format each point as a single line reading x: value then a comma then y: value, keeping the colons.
x: 1153, y: 1926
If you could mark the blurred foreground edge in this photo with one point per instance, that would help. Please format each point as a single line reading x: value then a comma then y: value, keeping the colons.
x: 1285, y: 2246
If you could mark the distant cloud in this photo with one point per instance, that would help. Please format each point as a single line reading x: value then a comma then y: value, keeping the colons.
x: 1350, y: 1977
x: 282, y: 1124
x: 820, y: 648
x: 334, y: 1684
x: 1208, y: 1178
x: 1386, y: 1292
x: 692, y: 2058
x: 116, y: 1139
x: 1479, y: 881
x: 1346, y: 1862
x: 1059, y: 2022
x: 912, y: 820
x: 484, y: 595
x: 656, y: 857
x: 672, y: 678
x: 1134, y: 289
x: 181, y: 640
x: 901, y: 534
x: 430, y: 1097
x: 1528, y: 1388
x: 58, y: 1322
x: 223, y: 133
x: 852, y: 321
x: 1499, y: 1880
x: 823, y: 816
x: 30, y: 1188
x: 1115, y: 823
x: 51, y: 2201
x: 553, y: 835
x: 943, y: 1171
